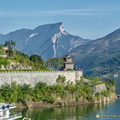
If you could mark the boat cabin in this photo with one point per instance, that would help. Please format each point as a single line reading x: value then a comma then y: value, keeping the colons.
x: 5, y: 113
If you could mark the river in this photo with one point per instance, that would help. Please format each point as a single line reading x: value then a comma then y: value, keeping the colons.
x: 104, y: 111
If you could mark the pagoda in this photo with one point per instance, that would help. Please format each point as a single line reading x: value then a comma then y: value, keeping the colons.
x: 69, y: 64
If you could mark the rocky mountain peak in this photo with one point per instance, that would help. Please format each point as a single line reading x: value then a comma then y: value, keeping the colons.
x: 62, y: 30
x: 48, y: 41
x: 55, y: 26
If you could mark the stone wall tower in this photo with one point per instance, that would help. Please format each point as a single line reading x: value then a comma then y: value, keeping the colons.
x: 69, y: 64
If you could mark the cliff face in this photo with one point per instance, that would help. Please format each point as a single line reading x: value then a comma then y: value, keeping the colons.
x: 99, y: 88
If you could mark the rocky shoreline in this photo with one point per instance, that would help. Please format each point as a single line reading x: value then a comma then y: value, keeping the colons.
x: 61, y: 103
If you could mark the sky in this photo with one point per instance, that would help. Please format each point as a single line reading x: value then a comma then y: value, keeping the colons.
x: 89, y: 19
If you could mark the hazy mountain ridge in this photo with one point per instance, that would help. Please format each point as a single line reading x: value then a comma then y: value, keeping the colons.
x: 48, y: 41
x: 92, y: 56
x: 97, y: 57
x: 1, y: 36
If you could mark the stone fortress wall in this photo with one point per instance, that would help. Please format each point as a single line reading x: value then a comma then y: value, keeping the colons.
x: 33, y: 77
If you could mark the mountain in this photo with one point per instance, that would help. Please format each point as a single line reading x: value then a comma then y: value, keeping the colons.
x: 99, y: 57
x: 1, y: 36
x: 48, y: 41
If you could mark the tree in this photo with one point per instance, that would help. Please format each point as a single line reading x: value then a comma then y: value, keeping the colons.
x: 9, y: 52
x: 56, y: 62
x: 10, y: 44
x: 4, y: 61
x: 36, y: 59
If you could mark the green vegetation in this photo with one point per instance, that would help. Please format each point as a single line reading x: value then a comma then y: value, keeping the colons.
x: 3, y: 61
x: 10, y: 44
x: 16, y: 60
x: 60, y: 94
x: 55, y: 63
x: 61, y: 80
x: 36, y: 59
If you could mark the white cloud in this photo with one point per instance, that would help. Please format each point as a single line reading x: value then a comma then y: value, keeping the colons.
x: 69, y: 12
x: 55, y: 12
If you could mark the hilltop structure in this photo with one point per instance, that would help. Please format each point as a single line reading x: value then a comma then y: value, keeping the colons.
x: 33, y: 77
x: 69, y: 64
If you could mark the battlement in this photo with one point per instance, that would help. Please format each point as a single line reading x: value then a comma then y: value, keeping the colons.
x: 33, y: 77
x: 11, y: 71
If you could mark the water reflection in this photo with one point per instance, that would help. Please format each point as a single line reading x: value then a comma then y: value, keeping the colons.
x: 81, y: 112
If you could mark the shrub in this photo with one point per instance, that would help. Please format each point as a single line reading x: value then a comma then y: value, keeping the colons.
x: 41, y: 85
x: 111, y: 82
x: 49, y: 99
x: 105, y: 93
x: 61, y: 80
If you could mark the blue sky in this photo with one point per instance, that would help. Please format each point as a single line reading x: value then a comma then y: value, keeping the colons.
x: 85, y: 18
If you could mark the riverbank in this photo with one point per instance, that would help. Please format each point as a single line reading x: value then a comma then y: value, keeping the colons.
x: 61, y: 94
x: 64, y: 102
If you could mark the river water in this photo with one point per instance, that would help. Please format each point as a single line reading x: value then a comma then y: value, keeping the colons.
x: 104, y: 111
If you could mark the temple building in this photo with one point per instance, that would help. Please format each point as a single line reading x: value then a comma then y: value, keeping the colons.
x: 69, y: 64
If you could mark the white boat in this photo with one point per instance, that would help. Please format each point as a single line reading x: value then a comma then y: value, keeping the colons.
x: 5, y: 113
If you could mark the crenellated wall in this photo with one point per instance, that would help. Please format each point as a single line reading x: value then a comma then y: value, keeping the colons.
x: 33, y: 77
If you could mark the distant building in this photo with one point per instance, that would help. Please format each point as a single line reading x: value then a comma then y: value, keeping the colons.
x: 3, y: 55
x: 5, y: 48
x: 116, y: 75
x: 69, y: 64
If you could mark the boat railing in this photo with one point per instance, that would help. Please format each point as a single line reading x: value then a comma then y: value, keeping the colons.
x: 2, y: 117
x: 15, y: 116
x: 26, y: 118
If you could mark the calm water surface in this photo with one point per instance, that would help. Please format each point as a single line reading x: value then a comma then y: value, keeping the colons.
x: 106, y: 111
